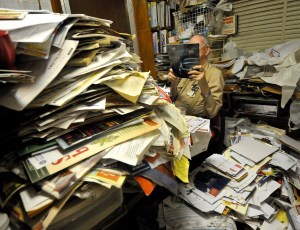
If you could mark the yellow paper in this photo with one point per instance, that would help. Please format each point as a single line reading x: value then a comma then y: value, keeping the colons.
x: 238, y: 208
x: 181, y: 168
x: 129, y: 87
x: 281, y: 216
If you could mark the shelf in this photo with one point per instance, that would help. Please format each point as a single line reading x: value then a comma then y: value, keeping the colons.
x: 160, y: 28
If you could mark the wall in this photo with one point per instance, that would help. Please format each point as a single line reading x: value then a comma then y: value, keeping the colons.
x: 114, y: 10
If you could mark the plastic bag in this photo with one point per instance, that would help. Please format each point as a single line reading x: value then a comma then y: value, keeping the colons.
x: 294, y: 120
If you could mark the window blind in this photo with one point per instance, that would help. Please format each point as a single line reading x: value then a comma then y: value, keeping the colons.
x: 265, y: 23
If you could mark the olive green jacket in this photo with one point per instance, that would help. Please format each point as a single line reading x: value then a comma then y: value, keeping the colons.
x: 193, y: 100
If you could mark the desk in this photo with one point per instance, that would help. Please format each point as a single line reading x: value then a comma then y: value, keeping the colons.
x: 236, y: 102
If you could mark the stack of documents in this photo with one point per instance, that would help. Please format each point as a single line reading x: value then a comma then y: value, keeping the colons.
x: 90, y: 115
x: 253, y: 181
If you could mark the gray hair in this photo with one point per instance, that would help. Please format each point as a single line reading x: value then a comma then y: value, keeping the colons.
x: 206, y: 41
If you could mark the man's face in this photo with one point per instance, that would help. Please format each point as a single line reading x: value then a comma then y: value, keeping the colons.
x: 202, y: 47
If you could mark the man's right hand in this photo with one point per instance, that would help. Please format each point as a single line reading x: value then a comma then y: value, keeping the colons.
x: 172, y: 78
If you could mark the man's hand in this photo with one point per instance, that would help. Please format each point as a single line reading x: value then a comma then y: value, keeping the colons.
x: 198, y: 74
x: 172, y: 78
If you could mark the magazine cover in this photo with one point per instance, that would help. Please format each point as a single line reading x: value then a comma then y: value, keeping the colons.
x: 210, y: 182
x: 183, y: 58
x: 98, y: 128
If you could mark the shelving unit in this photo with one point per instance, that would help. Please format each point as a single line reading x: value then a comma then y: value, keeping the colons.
x: 162, y: 26
x: 194, y: 20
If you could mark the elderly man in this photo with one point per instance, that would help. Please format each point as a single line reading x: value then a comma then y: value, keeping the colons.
x: 202, y: 93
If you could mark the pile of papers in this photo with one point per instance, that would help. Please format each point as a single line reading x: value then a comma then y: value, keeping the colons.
x: 255, y: 181
x: 89, y: 116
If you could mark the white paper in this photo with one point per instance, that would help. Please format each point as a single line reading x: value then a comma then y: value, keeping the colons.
x: 61, y: 34
x: 253, y: 149
x: 32, y: 20
x: 32, y: 200
x: 186, y: 192
x: 100, y: 61
x: 267, y: 210
x: 243, y: 160
x: 127, y: 109
x: 81, y: 87
x: 283, y: 160
x: 226, y: 166
x: 45, y: 71
x: 238, y: 65
x: 263, y: 192
x: 40, y: 160
x: 253, y: 211
x: 34, y: 34
x: 131, y: 152
x: 287, y: 78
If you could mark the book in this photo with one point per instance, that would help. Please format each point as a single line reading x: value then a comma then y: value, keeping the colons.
x: 210, y: 182
x: 163, y: 41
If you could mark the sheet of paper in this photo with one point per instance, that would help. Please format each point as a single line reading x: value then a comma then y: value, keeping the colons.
x: 127, y: 109
x: 23, y: 94
x: 241, y: 159
x: 253, y: 211
x: 181, y: 169
x: 287, y: 78
x: 283, y: 160
x: 32, y: 20
x: 158, y: 161
x: 129, y: 87
x: 62, y: 32
x: 241, y: 209
x: 132, y: 151
x: 40, y: 160
x: 226, y: 166
x: 263, y: 192
x: 253, y: 149
x: 187, y: 193
x: 172, y: 115
x: 267, y: 209
x: 33, y: 34
x: 197, y: 123
x: 33, y: 200
x: 238, y: 64
x: 81, y: 87
x: 239, y: 186
x: 100, y: 61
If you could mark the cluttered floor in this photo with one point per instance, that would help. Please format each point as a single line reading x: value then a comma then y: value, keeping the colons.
x: 146, y: 213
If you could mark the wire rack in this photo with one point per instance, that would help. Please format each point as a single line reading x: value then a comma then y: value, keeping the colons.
x: 198, y: 19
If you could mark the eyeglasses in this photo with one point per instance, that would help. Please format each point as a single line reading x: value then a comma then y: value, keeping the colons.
x: 201, y: 46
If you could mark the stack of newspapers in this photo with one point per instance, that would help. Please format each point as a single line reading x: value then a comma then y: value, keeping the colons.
x: 88, y: 115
